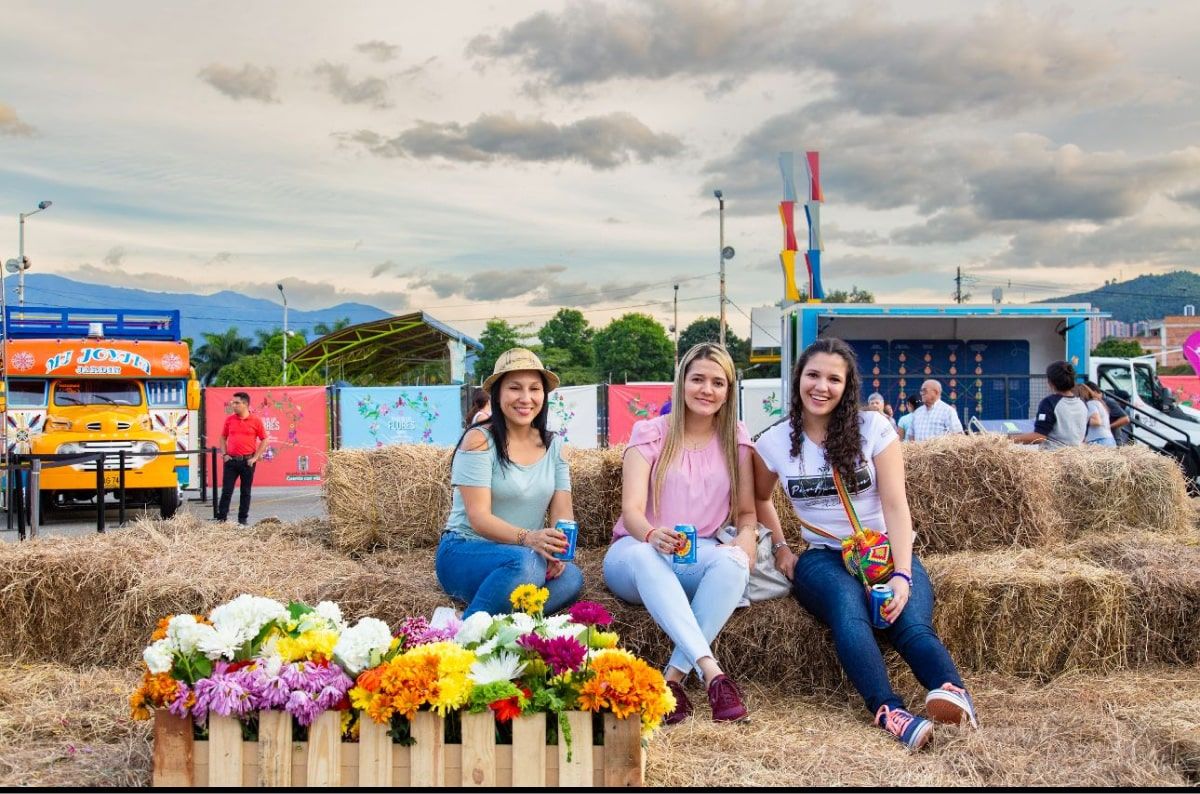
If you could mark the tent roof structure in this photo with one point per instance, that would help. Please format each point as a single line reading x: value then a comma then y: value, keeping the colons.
x: 383, y: 350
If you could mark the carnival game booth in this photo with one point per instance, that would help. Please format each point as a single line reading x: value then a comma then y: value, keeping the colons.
x: 990, y: 359
x: 87, y: 381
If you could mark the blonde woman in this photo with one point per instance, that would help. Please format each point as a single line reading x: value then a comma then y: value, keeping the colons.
x: 692, y: 466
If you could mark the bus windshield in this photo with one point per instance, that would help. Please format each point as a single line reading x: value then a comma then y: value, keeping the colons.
x: 97, y: 392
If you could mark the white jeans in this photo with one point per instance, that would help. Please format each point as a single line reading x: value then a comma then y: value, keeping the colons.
x: 691, y: 603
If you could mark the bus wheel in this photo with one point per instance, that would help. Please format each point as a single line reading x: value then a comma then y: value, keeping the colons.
x: 46, y: 503
x: 169, y: 501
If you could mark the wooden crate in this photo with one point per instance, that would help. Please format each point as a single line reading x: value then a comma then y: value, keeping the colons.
x: 224, y: 760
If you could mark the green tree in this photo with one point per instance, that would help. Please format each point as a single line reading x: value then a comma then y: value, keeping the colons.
x: 218, y: 351
x: 708, y: 329
x: 325, y: 329
x: 264, y: 367
x: 855, y: 295
x: 569, y: 330
x: 498, y: 335
x: 1115, y: 347
x: 634, y: 347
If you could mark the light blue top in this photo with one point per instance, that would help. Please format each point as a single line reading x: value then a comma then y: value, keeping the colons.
x: 520, y: 494
x: 905, y: 424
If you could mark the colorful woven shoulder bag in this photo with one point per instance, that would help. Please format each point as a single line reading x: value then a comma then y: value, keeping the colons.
x: 867, y: 554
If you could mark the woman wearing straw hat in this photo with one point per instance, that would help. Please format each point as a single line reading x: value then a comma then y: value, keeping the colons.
x: 840, y: 467
x: 691, y: 466
x: 506, y: 473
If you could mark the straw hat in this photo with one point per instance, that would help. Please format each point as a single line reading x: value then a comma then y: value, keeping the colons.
x: 519, y: 359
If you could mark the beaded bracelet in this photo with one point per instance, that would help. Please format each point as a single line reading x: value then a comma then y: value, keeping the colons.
x: 903, y: 576
x: 521, y: 535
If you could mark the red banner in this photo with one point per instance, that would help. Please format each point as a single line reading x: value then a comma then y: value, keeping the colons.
x: 630, y: 403
x: 1186, y: 388
x: 297, y: 430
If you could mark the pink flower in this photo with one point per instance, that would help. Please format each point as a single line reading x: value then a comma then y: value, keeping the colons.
x: 561, y: 654
x: 589, y: 613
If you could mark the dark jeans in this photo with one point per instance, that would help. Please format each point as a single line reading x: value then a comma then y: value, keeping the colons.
x: 825, y: 588
x: 235, y: 469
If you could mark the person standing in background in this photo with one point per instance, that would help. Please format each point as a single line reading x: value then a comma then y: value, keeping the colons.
x: 243, y: 442
x: 904, y: 423
x: 934, y: 418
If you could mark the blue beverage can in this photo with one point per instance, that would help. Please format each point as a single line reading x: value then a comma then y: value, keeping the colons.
x: 571, y: 530
x: 685, y: 552
x: 880, y: 596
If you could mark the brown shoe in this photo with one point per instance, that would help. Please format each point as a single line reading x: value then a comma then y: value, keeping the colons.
x: 683, y: 707
x: 726, y: 700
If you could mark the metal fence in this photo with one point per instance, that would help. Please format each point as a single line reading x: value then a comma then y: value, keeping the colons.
x: 982, y: 396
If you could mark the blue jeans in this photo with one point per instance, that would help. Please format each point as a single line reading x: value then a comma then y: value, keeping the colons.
x: 825, y: 588
x: 1104, y: 441
x: 483, y: 573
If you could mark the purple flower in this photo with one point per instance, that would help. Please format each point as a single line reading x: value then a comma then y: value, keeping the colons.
x: 417, y: 631
x: 561, y: 654
x: 303, y: 707
x: 266, y: 691
x: 223, y: 695
x: 178, y: 707
x: 589, y: 613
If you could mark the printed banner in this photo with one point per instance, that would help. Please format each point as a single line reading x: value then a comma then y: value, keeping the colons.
x: 1185, y: 388
x: 573, y: 415
x: 630, y: 403
x: 762, y: 405
x: 375, y: 416
x: 297, y: 430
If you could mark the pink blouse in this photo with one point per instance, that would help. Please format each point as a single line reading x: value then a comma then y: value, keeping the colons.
x: 696, y: 490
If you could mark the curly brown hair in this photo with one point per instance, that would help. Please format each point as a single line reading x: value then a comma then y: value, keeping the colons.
x: 843, y: 437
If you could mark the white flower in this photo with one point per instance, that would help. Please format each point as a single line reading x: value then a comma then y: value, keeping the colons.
x: 184, y: 633
x: 523, y: 623
x: 473, y: 629
x: 331, y: 612
x: 484, y: 648
x: 272, y: 665
x: 502, y: 667
x: 217, y: 642
x: 244, y: 617
x: 357, y: 643
x: 561, y: 626
x: 158, y: 656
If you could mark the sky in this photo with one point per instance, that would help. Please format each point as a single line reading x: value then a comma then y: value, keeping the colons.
x: 509, y: 158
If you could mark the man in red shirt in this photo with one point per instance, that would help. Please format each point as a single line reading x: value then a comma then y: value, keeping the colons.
x: 243, y: 441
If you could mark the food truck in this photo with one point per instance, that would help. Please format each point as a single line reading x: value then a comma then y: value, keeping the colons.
x: 87, y: 380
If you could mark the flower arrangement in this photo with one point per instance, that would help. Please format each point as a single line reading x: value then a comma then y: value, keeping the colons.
x: 255, y: 654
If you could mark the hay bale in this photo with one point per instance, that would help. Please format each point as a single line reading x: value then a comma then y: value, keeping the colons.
x: 596, y: 493
x: 1164, y: 591
x: 1029, y: 613
x: 976, y: 492
x: 396, y: 496
x: 95, y: 599
x: 1106, y: 489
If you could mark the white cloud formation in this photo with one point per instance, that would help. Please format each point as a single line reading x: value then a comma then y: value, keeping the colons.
x: 10, y: 124
x: 250, y: 82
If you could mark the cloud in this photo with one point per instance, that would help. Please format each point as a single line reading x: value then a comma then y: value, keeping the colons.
x: 1190, y: 197
x: 488, y: 285
x: 1004, y: 60
x: 382, y: 268
x: 220, y: 257
x: 379, y: 50
x: 371, y: 91
x: 950, y: 226
x: 1132, y: 242
x: 10, y: 124
x: 115, y: 256
x: 602, y: 142
x: 249, y: 82
x: 586, y: 293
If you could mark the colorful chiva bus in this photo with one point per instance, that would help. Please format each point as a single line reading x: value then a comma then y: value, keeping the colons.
x: 86, y: 381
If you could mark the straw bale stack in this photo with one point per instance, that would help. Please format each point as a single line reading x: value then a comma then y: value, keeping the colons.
x: 596, y: 493
x: 396, y: 496
x: 95, y: 599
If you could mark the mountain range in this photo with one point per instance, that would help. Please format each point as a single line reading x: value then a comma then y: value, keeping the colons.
x: 199, y: 314
x: 1141, y: 298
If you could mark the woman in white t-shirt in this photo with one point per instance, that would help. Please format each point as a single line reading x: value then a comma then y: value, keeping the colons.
x: 825, y: 430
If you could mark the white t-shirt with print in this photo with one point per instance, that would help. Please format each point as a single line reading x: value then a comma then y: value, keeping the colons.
x: 808, y: 481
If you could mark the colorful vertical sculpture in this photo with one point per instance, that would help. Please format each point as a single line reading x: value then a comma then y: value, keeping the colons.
x: 812, y: 213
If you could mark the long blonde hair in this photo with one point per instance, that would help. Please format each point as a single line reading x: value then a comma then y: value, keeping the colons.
x: 726, y: 421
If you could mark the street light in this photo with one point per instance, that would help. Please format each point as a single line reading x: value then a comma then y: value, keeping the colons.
x: 675, y: 328
x: 22, y: 262
x: 726, y: 253
x: 279, y: 286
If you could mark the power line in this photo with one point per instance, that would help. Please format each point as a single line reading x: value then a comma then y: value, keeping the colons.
x: 770, y: 334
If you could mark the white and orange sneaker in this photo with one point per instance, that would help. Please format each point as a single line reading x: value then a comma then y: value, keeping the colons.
x: 909, y: 729
x: 950, y: 705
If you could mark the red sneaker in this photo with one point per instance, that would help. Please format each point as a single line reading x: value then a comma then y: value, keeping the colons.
x: 726, y: 700
x: 683, y: 706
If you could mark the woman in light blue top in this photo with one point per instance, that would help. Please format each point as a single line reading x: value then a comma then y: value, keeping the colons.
x: 507, y: 472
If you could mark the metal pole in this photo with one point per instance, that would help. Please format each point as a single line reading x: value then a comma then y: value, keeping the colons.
x: 35, y: 497
x: 101, y: 458
x: 21, y: 263
x: 213, y: 457
x: 121, y: 488
x: 285, y: 330
x: 19, y: 500
x: 721, y: 212
x: 676, y: 326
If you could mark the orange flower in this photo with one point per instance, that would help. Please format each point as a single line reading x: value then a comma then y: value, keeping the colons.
x: 156, y: 690
x: 506, y: 709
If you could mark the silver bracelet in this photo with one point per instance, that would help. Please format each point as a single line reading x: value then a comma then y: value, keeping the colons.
x: 783, y: 544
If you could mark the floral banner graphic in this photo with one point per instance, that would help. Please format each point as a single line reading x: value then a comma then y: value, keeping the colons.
x: 1185, y: 388
x: 297, y: 428
x: 573, y: 415
x: 371, y: 417
x: 762, y: 404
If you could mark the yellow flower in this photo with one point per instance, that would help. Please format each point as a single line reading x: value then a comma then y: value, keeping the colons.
x: 604, y: 639
x: 529, y: 598
x: 309, y: 645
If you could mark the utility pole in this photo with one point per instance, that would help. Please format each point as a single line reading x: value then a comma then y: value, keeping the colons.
x: 958, y: 286
x: 675, y: 327
x: 721, y: 212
